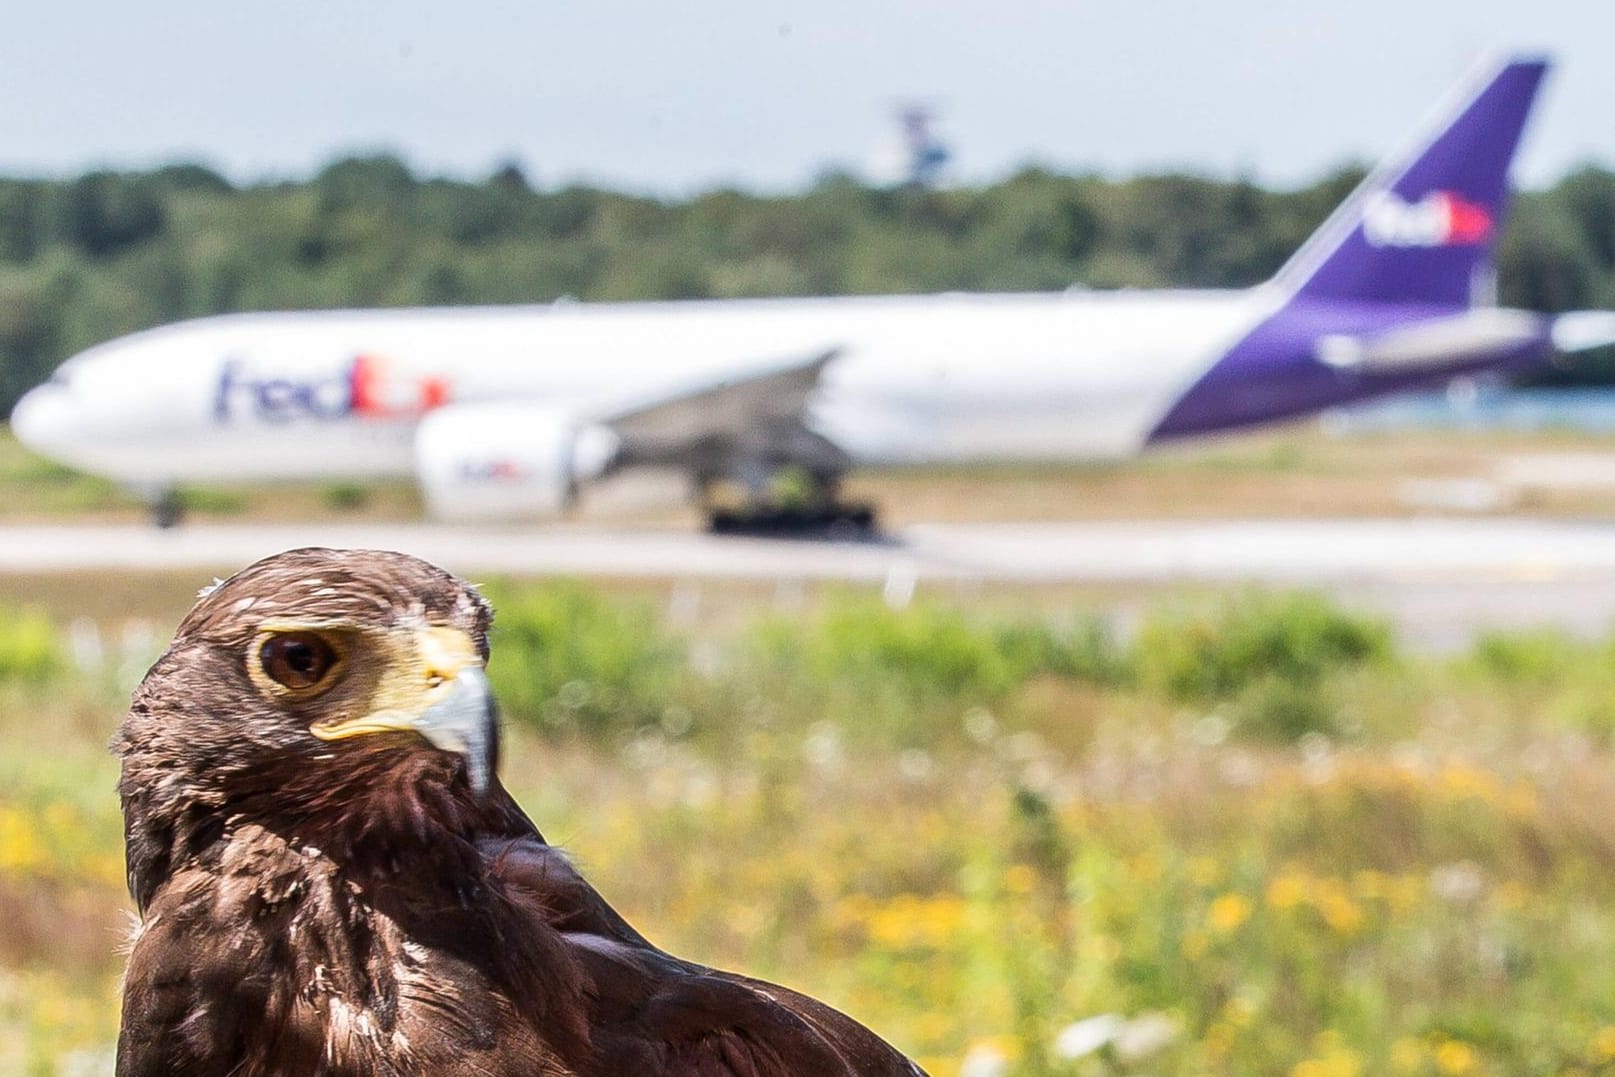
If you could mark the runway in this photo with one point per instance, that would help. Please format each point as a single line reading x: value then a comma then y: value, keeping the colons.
x: 1279, y: 551
x: 1440, y: 579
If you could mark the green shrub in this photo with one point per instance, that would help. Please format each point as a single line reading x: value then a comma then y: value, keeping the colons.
x: 1549, y: 673
x: 902, y: 678
x: 1215, y: 652
x: 346, y: 496
x: 213, y: 501
x: 1283, y: 711
x: 1537, y: 657
x: 927, y: 650
x: 920, y: 650
x: 1086, y: 650
x: 1585, y: 705
x: 568, y: 660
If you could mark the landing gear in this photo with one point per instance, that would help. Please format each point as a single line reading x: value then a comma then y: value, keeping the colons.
x: 832, y: 520
x: 168, y: 510
x: 788, y: 503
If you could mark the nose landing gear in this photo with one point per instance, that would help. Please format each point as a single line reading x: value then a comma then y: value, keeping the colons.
x: 168, y: 509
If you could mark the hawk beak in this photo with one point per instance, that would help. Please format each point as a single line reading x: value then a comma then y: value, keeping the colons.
x: 465, y: 721
x: 442, y: 694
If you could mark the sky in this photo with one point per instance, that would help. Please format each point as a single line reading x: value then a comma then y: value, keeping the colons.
x: 672, y: 98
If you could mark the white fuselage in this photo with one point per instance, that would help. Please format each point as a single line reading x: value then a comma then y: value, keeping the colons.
x: 915, y: 379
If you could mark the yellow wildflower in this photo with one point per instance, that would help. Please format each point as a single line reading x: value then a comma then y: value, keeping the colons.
x: 1464, y: 781
x: 1342, y: 1063
x: 1339, y: 912
x: 1604, y: 1044
x: 1456, y: 1058
x: 20, y: 847
x: 1228, y: 913
x: 1407, y: 1055
x: 908, y: 920
x: 1287, y: 891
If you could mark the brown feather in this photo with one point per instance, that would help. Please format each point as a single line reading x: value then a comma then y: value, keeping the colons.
x: 353, y: 908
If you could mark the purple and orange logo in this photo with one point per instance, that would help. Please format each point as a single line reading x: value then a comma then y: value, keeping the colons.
x: 492, y: 471
x: 365, y: 387
x: 1439, y: 219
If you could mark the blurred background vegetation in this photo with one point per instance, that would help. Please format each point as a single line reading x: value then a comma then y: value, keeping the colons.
x: 86, y: 259
x: 1243, y: 834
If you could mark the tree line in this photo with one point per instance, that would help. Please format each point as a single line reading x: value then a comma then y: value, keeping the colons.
x: 105, y: 253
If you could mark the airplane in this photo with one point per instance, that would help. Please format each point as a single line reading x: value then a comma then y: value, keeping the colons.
x: 507, y: 413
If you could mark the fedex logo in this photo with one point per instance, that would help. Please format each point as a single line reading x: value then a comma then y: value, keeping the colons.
x: 363, y: 387
x: 491, y: 471
x: 1439, y: 219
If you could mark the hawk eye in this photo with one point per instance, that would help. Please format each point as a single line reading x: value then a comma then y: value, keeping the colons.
x: 297, y: 660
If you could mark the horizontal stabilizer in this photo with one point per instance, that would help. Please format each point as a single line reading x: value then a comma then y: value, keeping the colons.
x: 1438, y: 342
x: 1584, y: 329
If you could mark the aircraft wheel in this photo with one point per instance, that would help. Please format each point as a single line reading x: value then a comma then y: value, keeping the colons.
x: 168, y: 511
x: 839, y: 522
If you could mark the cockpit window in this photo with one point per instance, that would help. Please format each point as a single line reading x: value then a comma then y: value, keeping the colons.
x: 67, y: 371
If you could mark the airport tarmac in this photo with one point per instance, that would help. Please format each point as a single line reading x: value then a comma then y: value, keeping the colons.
x: 1439, y: 578
x: 1276, y: 550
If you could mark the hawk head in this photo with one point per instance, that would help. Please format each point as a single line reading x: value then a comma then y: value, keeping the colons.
x: 336, y: 696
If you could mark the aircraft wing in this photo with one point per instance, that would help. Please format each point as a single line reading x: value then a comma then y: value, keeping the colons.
x: 735, y: 408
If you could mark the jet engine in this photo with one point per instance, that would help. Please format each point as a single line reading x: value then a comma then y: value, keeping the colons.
x: 505, y: 461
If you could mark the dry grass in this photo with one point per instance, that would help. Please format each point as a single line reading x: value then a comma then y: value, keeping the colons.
x: 1295, y: 471
x: 1299, y: 472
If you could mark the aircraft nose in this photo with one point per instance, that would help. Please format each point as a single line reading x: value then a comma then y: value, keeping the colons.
x: 41, y: 419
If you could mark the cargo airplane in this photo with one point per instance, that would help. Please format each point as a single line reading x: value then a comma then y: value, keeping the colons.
x: 509, y: 412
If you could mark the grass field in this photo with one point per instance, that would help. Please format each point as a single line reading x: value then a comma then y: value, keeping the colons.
x: 1253, y: 837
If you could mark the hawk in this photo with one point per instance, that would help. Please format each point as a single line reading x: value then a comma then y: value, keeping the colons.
x: 331, y: 879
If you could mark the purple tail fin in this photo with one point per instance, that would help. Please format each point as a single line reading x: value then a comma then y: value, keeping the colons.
x: 1421, y: 229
